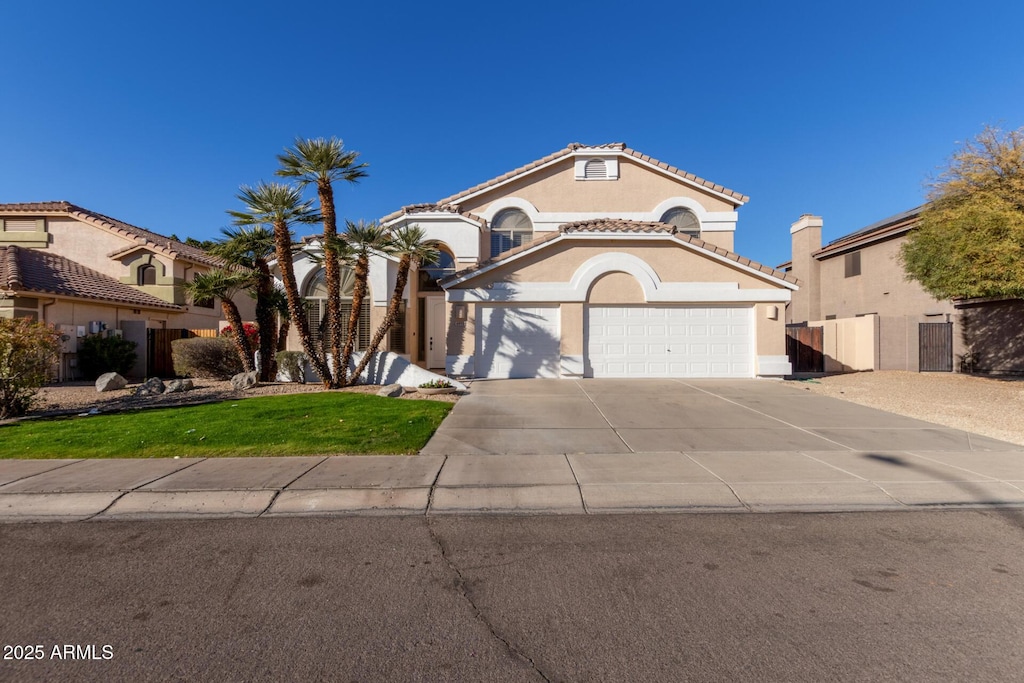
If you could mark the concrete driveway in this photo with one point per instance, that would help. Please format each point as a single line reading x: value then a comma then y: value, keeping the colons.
x: 609, y: 416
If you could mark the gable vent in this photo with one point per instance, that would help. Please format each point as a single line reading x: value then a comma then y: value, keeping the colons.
x: 595, y: 169
x: 20, y: 225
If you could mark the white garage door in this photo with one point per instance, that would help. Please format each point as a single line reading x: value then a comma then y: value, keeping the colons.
x: 518, y: 342
x: 670, y: 341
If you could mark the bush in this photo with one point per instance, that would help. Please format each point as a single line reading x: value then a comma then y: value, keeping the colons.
x: 98, y: 354
x: 437, y: 384
x: 292, y: 364
x: 206, y: 358
x: 252, y: 334
x: 28, y: 353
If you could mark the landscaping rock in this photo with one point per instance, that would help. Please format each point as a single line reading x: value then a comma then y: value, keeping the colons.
x: 110, y: 381
x: 391, y: 391
x: 244, y: 380
x: 153, y: 386
x: 178, y: 385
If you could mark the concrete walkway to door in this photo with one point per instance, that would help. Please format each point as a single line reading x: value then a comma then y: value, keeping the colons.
x: 620, y: 444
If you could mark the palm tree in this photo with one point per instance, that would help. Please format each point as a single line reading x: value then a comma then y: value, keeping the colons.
x: 252, y: 247
x: 322, y: 162
x: 279, y: 304
x: 412, y: 249
x: 224, y: 284
x: 282, y: 206
x: 362, y: 239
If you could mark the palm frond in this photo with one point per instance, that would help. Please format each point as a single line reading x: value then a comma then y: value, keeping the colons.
x: 320, y: 160
x: 268, y: 203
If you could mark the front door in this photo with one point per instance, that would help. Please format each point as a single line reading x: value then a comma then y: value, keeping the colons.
x: 435, y: 341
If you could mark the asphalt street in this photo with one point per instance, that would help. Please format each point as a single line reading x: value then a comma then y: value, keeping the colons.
x: 911, y: 596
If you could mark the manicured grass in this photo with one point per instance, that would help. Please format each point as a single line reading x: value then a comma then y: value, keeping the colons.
x: 296, y: 424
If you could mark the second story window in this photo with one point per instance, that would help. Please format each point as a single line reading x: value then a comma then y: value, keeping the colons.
x: 684, y: 220
x: 852, y: 265
x: 146, y: 275
x: 510, y: 229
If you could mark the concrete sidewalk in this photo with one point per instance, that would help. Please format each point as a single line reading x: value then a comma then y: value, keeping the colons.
x: 692, y: 481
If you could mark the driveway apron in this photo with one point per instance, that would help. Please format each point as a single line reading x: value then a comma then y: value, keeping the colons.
x: 610, y: 416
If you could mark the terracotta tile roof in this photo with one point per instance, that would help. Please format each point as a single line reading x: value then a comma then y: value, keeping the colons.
x: 41, y: 272
x: 733, y: 256
x: 142, y: 237
x: 615, y: 146
x: 616, y: 225
x: 887, y: 227
x: 623, y: 226
x: 432, y: 208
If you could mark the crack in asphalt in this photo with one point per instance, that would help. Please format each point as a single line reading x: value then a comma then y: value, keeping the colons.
x: 460, y: 586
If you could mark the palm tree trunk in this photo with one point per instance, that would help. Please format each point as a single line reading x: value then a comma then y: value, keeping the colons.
x: 283, y: 250
x: 390, y: 318
x: 331, y: 272
x: 265, y: 320
x: 362, y: 273
x: 238, y: 332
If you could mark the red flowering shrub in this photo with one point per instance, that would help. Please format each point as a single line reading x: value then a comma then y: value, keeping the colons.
x: 252, y: 333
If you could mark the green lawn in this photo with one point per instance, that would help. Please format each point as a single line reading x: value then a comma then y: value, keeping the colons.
x: 296, y: 424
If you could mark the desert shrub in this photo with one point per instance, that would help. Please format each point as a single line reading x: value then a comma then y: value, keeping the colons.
x: 28, y: 353
x: 98, y: 354
x: 205, y: 357
x: 292, y: 364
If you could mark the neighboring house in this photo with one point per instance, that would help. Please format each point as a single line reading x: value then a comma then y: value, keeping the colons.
x: 859, y: 276
x: 590, y: 262
x: 90, y: 274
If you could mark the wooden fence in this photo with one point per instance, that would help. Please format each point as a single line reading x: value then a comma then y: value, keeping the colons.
x: 804, y: 347
x: 158, y: 349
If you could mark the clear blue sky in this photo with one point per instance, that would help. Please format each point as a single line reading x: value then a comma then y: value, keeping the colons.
x: 155, y: 113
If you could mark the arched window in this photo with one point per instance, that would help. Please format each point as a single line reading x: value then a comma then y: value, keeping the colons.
x: 430, y: 273
x: 684, y: 220
x: 510, y: 228
x: 146, y: 275
x: 315, y: 295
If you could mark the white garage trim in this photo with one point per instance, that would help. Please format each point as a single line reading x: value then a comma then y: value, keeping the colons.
x: 669, y: 341
x: 518, y: 341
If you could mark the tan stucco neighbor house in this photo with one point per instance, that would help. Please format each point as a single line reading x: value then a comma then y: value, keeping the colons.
x: 593, y: 261
x: 879, y: 319
x: 92, y: 274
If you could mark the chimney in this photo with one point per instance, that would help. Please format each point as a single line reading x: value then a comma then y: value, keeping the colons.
x: 806, y: 239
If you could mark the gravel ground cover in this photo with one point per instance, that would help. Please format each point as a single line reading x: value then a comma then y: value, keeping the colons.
x: 79, y: 397
x: 992, y: 406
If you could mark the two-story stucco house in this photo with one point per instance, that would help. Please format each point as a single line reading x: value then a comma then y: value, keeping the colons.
x: 593, y: 261
x: 89, y: 273
x: 859, y: 276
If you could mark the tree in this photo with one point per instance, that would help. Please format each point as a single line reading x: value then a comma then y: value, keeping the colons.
x: 409, y: 243
x: 969, y: 241
x: 282, y: 206
x: 224, y: 284
x: 252, y: 247
x: 28, y: 353
x: 322, y: 162
x: 362, y: 239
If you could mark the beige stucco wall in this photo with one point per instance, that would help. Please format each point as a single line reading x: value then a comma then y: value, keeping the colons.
x: 87, y: 245
x: 616, y: 288
x: 71, y: 312
x: 572, y: 316
x: 556, y: 189
x: 770, y: 339
x: 672, y: 261
x: 849, y: 343
x: 881, y: 287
